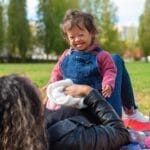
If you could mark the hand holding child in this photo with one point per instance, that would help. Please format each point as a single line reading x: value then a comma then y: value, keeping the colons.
x: 77, y: 90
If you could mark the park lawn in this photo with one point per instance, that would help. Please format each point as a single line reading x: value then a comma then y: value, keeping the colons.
x: 39, y: 73
x: 140, y: 77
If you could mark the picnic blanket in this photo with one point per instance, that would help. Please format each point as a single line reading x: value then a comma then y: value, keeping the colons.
x: 137, y: 125
x: 139, y: 133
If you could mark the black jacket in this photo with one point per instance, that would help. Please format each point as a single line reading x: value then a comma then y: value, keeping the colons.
x: 72, y: 129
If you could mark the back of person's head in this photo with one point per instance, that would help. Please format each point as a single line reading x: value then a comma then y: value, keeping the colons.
x: 21, y: 118
x: 77, y: 18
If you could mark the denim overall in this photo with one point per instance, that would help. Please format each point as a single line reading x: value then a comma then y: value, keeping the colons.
x: 82, y: 68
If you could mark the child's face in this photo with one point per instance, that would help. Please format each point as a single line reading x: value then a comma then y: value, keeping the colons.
x: 80, y: 39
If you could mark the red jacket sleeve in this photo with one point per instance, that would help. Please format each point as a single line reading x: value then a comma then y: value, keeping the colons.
x: 107, y: 68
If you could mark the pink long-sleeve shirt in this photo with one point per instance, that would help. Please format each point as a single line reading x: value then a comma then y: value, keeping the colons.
x: 107, y: 68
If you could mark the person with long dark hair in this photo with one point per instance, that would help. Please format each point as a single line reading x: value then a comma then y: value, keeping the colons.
x: 22, y: 122
x: 21, y: 115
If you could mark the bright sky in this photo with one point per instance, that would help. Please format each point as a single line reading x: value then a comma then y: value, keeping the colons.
x: 31, y: 5
x: 128, y: 10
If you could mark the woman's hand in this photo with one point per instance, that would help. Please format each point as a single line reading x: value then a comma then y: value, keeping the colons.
x: 77, y: 90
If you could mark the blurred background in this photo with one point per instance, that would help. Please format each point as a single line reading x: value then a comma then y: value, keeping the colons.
x: 30, y: 30
x: 30, y: 34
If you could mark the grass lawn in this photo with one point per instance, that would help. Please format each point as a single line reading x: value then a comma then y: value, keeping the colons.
x: 40, y: 73
x: 140, y: 78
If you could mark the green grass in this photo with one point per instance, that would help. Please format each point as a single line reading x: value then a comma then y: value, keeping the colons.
x: 40, y: 74
x: 140, y: 77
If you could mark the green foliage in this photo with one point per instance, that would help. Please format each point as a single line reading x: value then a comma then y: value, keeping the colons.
x: 18, y: 28
x: 51, y: 13
x: 1, y: 28
x: 109, y: 34
x: 144, y: 30
x: 131, y: 40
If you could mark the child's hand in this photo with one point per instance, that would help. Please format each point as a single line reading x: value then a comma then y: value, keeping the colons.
x: 44, y: 100
x: 77, y: 90
x: 106, y: 90
x: 43, y: 94
x: 43, y: 89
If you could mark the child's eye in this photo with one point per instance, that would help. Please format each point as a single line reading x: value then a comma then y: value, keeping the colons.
x: 71, y: 37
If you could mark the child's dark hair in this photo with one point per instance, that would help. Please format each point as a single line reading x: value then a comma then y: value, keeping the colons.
x: 79, y: 19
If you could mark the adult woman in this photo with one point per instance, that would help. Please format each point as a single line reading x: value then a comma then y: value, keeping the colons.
x: 96, y: 127
x: 21, y: 122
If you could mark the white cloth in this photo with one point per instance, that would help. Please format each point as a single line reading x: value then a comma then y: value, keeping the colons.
x: 55, y: 93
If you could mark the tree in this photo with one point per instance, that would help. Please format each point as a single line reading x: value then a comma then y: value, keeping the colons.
x: 109, y: 35
x: 51, y: 13
x: 131, y: 38
x: 144, y: 30
x: 1, y: 28
x: 18, y: 28
x: 104, y: 11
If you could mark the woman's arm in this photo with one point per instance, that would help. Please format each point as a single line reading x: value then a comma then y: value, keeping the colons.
x: 109, y: 134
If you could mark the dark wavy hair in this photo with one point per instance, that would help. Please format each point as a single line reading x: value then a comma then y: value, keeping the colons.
x: 21, y: 118
x: 79, y: 19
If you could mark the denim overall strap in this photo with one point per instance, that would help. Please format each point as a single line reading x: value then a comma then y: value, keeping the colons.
x: 82, y: 68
